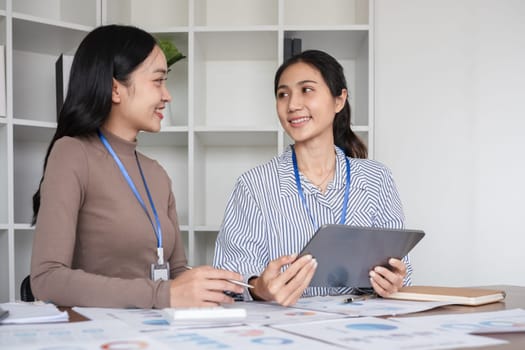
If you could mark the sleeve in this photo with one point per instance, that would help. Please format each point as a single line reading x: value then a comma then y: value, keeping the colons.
x: 390, y: 213
x: 389, y: 210
x: 242, y: 242
x: 52, y: 278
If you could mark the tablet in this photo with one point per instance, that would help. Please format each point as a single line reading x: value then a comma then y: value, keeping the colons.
x: 346, y: 254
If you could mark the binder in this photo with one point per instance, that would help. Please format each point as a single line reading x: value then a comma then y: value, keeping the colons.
x: 455, y: 295
x: 62, y: 70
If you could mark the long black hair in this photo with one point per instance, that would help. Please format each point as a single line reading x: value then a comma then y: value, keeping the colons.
x: 106, y: 53
x: 334, y: 77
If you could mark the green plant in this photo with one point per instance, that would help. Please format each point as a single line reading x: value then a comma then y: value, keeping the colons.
x: 170, y: 51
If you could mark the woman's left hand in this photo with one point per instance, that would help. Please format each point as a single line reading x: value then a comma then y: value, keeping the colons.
x: 385, y: 281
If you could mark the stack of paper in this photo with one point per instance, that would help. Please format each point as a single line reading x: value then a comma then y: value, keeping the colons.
x: 38, y: 312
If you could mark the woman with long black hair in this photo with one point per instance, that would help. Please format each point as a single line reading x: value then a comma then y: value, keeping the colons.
x: 107, y: 233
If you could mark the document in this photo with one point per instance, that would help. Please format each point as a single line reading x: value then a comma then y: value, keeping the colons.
x: 264, y: 313
x: 505, y: 321
x: 242, y: 338
x: 110, y: 334
x: 368, y: 307
x: 138, y: 319
x: 378, y: 334
x: 150, y: 320
x: 35, y: 312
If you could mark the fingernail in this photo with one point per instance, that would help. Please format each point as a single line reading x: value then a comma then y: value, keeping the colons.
x: 372, y: 274
x: 314, y: 262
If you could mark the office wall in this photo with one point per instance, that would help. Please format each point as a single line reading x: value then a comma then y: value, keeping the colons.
x: 450, y: 122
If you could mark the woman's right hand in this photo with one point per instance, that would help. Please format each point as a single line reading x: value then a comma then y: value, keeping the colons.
x: 203, y: 286
x: 284, y: 287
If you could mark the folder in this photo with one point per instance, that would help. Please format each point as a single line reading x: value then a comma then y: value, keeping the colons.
x: 455, y: 295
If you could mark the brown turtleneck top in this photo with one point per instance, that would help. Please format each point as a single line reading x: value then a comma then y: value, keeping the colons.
x: 94, y: 244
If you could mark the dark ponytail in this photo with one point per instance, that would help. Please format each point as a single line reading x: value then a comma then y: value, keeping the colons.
x: 106, y: 53
x: 334, y: 77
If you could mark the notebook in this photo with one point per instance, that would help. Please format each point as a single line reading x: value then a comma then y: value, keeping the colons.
x: 455, y: 295
x: 346, y: 254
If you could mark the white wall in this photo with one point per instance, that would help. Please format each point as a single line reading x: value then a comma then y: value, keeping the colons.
x: 450, y: 123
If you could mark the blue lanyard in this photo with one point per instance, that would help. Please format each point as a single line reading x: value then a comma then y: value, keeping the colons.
x: 157, y: 227
x: 303, y: 199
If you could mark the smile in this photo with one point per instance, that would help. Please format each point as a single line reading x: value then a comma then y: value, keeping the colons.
x: 300, y: 120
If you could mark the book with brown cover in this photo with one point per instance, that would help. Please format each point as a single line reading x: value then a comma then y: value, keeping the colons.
x: 455, y: 295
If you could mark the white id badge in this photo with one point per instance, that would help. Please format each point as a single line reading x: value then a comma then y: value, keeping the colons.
x: 160, y: 271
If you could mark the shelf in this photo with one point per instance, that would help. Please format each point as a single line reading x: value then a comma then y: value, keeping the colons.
x: 364, y: 137
x: 236, y: 12
x: 23, y: 227
x: 327, y: 28
x: 46, y: 37
x: 319, y: 13
x: 177, y: 137
x: 214, y: 228
x: 242, y: 65
x: 174, y: 159
x: 176, y: 114
x: 4, y: 266
x: 355, y: 41
x: 216, y: 170
x: 23, y: 248
x: 240, y: 138
x: 80, y: 12
x: 205, y: 240
x: 360, y: 128
x: 185, y: 240
x: 222, y: 119
x: 34, y: 95
x: 34, y: 123
x: 2, y: 28
x: 30, y: 145
x: 146, y: 14
x: 234, y: 29
x: 33, y: 133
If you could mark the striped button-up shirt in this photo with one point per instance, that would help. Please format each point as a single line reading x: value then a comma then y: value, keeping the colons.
x: 265, y: 217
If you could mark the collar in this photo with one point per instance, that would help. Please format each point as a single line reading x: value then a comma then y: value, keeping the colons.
x: 121, y: 146
x: 287, y: 180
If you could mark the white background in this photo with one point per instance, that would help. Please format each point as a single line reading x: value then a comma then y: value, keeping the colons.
x: 450, y: 122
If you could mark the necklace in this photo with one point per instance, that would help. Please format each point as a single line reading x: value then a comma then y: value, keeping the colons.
x: 320, y: 184
x: 303, y: 199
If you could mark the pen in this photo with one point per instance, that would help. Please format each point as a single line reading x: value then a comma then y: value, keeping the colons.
x: 239, y: 283
x: 358, y: 298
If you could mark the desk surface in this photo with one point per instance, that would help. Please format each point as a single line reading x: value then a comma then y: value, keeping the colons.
x: 515, y: 299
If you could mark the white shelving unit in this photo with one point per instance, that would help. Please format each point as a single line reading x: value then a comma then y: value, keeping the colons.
x: 223, y: 118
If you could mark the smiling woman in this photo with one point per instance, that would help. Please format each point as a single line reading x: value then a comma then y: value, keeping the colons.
x: 98, y: 192
x: 322, y: 178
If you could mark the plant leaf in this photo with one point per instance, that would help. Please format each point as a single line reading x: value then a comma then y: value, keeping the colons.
x: 170, y: 51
